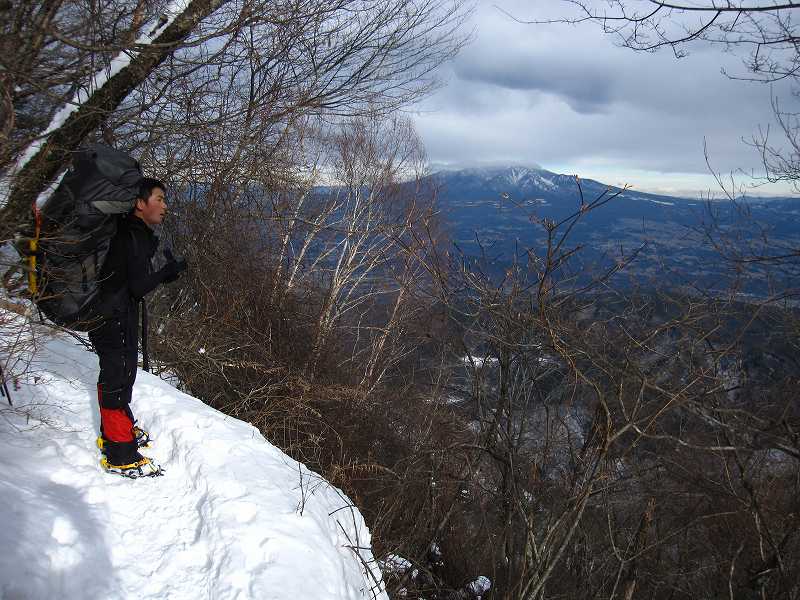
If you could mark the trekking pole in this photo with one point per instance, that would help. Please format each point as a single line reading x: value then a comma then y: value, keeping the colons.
x: 4, y: 389
x: 145, y: 323
x: 33, y: 248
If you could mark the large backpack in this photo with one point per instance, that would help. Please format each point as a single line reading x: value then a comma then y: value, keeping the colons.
x: 74, y: 231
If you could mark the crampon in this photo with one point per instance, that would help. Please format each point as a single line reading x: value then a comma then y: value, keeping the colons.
x: 141, y: 468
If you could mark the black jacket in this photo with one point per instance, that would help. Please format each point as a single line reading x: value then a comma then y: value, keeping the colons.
x: 127, y: 275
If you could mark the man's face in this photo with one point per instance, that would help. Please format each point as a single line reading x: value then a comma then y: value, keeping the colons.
x: 152, y: 210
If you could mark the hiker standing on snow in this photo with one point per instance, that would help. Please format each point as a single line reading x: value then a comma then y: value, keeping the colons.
x: 127, y: 276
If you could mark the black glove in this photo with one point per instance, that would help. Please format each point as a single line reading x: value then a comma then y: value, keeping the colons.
x: 174, y: 267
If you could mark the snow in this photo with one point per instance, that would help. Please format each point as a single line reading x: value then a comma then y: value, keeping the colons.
x: 48, y: 191
x: 478, y: 361
x: 515, y: 175
x: 546, y: 182
x: 396, y: 565
x: 480, y: 586
x: 233, y: 517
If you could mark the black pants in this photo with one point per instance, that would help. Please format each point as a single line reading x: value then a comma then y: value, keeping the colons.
x: 116, y: 342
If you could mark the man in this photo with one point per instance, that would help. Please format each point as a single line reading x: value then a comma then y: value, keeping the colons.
x: 126, y: 278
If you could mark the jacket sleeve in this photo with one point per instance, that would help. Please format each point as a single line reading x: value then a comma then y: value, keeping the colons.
x: 141, y: 280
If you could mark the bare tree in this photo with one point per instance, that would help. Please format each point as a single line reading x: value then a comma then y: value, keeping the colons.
x: 602, y: 416
x: 255, y: 63
x: 350, y: 239
x: 43, y: 160
x: 369, y: 213
x: 768, y: 30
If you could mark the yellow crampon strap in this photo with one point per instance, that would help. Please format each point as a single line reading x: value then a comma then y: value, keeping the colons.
x: 133, y: 470
x: 134, y: 465
x: 142, y: 468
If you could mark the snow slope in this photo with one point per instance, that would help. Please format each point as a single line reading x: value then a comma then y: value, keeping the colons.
x: 233, y: 517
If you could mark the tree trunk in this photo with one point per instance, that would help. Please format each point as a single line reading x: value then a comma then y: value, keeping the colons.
x: 54, y: 154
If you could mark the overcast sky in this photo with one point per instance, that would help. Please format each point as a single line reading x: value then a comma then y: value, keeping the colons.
x: 566, y: 98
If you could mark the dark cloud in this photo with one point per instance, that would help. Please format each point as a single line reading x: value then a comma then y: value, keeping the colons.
x: 567, y: 98
x: 584, y: 88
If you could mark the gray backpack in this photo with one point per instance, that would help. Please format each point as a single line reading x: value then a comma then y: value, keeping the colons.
x: 74, y: 232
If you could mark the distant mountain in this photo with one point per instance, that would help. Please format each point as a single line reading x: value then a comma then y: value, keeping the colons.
x: 533, y: 182
x: 497, y: 209
x: 520, y: 179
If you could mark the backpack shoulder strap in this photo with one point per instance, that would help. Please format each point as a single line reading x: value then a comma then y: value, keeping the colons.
x: 143, y: 311
x: 134, y: 242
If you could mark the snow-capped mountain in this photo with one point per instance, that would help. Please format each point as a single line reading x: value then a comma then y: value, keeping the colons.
x: 528, y: 179
x: 533, y: 177
x: 499, y: 211
x: 530, y: 182
x: 232, y: 518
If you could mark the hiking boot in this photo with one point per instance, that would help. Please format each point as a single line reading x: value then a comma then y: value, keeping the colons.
x: 144, y: 467
x: 142, y: 439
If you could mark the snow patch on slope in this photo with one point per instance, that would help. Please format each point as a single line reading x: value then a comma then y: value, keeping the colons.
x: 515, y: 175
x: 233, y: 517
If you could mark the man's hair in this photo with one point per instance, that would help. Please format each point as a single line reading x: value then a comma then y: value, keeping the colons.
x: 147, y: 185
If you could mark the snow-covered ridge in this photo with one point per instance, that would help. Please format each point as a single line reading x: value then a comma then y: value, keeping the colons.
x: 511, y: 174
x: 233, y: 517
x: 523, y: 178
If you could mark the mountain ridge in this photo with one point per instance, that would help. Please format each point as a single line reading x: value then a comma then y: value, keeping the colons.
x: 534, y: 176
x: 502, y: 208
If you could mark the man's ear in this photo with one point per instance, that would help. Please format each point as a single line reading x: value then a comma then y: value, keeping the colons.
x: 140, y: 204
